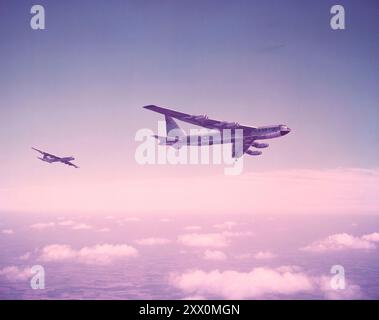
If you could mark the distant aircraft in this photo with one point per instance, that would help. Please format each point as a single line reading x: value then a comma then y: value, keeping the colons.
x: 47, y: 157
x: 177, y: 138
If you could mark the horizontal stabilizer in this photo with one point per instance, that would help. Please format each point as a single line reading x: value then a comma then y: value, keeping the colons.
x: 161, y: 140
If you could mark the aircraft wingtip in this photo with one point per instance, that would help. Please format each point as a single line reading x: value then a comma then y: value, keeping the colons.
x: 150, y: 106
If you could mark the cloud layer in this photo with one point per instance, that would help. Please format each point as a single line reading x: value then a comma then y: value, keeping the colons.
x: 211, y: 240
x: 101, y: 254
x: 264, y: 255
x: 42, y: 225
x: 343, y: 241
x: 152, y: 241
x: 7, y: 231
x: 217, y: 240
x: 214, y: 255
x: 14, y: 273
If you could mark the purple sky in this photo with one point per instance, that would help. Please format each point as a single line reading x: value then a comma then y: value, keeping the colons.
x: 77, y: 88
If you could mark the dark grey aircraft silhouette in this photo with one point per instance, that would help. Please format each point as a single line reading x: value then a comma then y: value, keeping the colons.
x: 47, y: 157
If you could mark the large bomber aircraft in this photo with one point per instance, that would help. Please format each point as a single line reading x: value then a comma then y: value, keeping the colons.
x: 177, y: 138
x: 47, y: 157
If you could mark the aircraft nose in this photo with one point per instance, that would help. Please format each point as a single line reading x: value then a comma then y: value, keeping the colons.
x: 285, y: 131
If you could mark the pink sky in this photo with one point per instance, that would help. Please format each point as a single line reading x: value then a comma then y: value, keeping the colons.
x: 344, y: 191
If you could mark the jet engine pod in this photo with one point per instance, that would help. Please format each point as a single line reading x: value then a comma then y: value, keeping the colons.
x: 228, y: 125
x: 260, y: 145
x: 200, y: 117
x: 253, y: 152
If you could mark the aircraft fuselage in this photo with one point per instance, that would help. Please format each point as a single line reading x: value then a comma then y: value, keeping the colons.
x: 229, y: 136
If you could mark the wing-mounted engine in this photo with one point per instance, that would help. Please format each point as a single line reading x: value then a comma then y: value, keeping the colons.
x: 260, y: 145
x: 228, y: 125
x: 200, y: 117
x: 253, y: 152
x: 232, y: 125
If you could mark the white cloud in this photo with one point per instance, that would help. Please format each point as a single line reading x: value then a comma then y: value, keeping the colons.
x: 342, y: 241
x: 74, y: 225
x: 373, y: 237
x: 42, y: 225
x: 192, y: 228
x: 25, y: 256
x: 259, y: 283
x: 243, y: 285
x: 350, y: 292
x: 226, y: 225
x: 152, y: 241
x: 215, y: 239
x: 14, y: 273
x: 235, y: 234
x: 82, y: 226
x: 67, y: 223
x: 204, y: 240
x: 57, y: 252
x: 101, y: 254
x: 214, y: 255
x: 7, y: 231
x: 106, y: 253
x: 264, y: 255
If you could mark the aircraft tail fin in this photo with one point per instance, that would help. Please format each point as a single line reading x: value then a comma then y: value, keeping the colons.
x: 172, y: 128
x: 174, y: 134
